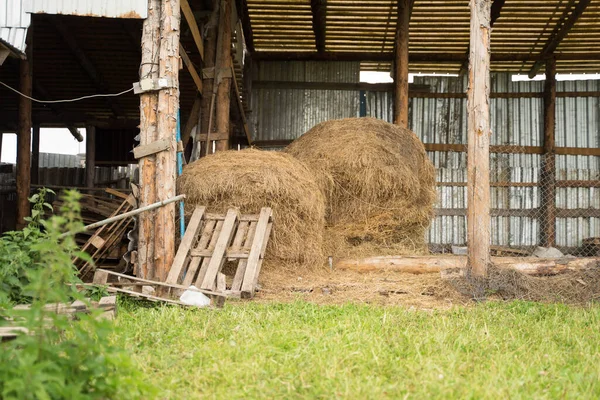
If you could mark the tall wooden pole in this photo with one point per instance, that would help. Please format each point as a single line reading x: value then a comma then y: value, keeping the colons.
x: 223, y: 74
x: 24, y: 139
x: 401, y: 65
x: 548, y: 173
x: 478, y: 137
x: 210, y: 52
x: 166, y: 161
x: 35, y: 154
x: 90, y: 155
x: 148, y: 134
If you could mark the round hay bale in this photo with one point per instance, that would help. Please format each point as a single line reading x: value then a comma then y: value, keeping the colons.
x: 377, y: 178
x: 251, y: 179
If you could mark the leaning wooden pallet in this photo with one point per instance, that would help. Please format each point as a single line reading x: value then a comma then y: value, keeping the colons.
x: 213, y: 239
x: 104, y: 240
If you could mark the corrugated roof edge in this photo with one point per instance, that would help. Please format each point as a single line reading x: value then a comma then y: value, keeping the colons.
x: 12, y: 49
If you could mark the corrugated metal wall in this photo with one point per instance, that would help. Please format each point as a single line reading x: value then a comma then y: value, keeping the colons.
x: 283, y: 114
x: 286, y: 114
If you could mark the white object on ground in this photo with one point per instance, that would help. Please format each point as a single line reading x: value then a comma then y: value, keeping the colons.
x: 459, y: 250
x: 548, y: 252
x: 193, y: 298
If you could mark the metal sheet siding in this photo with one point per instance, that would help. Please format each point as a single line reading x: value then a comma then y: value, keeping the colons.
x: 90, y: 8
x: 285, y: 114
x: 14, y: 22
x: 513, y: 122
x: 15, y: 15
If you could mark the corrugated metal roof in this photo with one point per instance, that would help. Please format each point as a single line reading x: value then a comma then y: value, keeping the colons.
x: 15, y: 15
x: 14, y: 22
x: 90, y: 8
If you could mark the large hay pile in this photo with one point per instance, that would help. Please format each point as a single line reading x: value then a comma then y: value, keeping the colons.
x: 378, y: 181
x: 251, y: 179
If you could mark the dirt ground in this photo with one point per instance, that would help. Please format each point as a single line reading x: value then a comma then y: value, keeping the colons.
x: 323, y: 286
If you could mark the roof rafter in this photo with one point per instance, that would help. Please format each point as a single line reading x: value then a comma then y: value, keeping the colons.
x: 56, y: 108
x: 244, y: 16
x: 562, y: 29
x: 193, y: 25
x: 319, y: 17
x: 87, y: 65
x: 415, y: 57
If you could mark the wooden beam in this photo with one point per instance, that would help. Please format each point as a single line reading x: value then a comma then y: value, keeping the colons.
x: 434, y: 264
x: 35, y: 154
x: 207, y: 111
x: 150, y: 45
x: 238, y: 97
x: 414, y: 57
x: 167, y: 116
x: 90, y: 155
x: 191, y: 21
x: 223, y: 63
x: 24, y: 137
x: 191, y: 122
x: 57, y: 109
x: 495, y: 12
x: 191, y: 68
x: 401, y: 64
x: 244, y: 16
x: 88, y: 66
x: 548, y: 171
x: 319, y: 16
x: 478, y: 138
x: 457, y: 147
x: 561, y: 30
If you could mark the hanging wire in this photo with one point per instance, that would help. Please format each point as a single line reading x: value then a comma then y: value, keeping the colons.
x: 66, y: 100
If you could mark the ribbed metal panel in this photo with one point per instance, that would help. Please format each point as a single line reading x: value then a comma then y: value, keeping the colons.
x: 89, y: 8
x: 516, y: 121
x: 15, y: 15
x: 14, y: 22
x: 285, y: 114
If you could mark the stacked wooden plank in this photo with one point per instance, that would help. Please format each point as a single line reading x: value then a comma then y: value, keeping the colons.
x: 107, y: 244
x: 107, y: 304
x: 211, y: 240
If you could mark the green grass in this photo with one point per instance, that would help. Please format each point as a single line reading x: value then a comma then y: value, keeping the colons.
x: 299, y: 351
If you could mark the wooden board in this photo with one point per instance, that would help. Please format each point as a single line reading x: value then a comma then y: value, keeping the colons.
x: 189, y: 237
x: 218, y: 257
x: 252, y: 269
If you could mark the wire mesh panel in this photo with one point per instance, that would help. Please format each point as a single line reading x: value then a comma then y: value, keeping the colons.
x: 541, y: 194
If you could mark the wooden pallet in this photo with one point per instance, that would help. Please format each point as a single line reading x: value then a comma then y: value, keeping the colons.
x: 212, y: 239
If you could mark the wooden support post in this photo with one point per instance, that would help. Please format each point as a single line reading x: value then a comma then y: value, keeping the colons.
x: 401, y: 65
x: 166, y: 161
x: 478, y: 138
x: 148, y: 133
x: 210, y: 52
x: 222, y: 72
x: 548, y: 173
x: 90, y: 155
x: 24, y: 139
x: 35, y: 155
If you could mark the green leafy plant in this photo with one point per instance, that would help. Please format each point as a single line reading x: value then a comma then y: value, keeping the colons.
x: 60, y: 357
x: 18, y: 256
